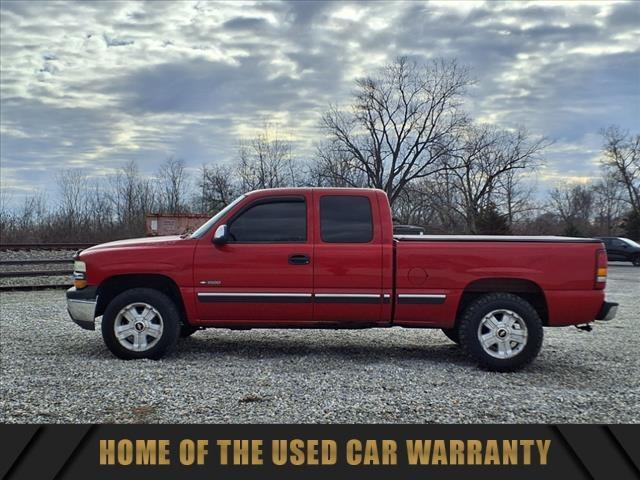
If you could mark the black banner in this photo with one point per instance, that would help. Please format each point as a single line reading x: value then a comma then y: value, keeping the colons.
x: 320, y: 451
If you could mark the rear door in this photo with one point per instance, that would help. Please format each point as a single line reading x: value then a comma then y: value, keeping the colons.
x: 264, y: 274
x: 348, y: 259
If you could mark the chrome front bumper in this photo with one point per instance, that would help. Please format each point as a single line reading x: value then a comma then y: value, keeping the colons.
x: 81, y: 305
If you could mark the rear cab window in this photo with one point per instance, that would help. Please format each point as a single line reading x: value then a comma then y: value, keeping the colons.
x: 346, y: 219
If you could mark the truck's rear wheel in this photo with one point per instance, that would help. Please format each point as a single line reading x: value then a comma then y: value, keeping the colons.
x: 501, y: 331
x: 140, y: 323
x: 452, y: 334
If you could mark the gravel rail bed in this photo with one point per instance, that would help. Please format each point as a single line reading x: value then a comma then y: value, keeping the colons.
x: 53, y: 371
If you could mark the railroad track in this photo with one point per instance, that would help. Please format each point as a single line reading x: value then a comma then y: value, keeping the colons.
x: 43, y: 246
x: 36, y: 273
x: 30, y: 288
x: 7, y: 270
x: 56, y: 261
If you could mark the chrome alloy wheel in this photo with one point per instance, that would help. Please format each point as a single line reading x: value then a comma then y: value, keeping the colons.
x: 138, y: 327
x: 502, y: 334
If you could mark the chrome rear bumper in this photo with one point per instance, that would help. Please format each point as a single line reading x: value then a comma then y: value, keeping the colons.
x: 607, y: 311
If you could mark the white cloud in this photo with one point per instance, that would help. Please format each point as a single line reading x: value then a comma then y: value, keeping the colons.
x: 99, y: 83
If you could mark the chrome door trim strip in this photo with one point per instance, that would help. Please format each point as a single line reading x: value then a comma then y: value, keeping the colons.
x: 347, y: 298
x: 251, y: 294
x: 347, y: 295
x: 421, y: 298
x: 260, y: 297
x: 257, y: 297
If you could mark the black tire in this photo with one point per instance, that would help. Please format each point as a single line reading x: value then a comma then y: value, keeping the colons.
x: 162, y: 304
x: 187, y: 330
x: 636, y: 260
x: 475, y: 313
x: 452, y: 334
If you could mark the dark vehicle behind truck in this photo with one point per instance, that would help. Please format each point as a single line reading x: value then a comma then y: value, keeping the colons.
x: 622, y: 250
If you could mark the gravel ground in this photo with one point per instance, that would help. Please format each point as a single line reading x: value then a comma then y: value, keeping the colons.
x: 52, y: 371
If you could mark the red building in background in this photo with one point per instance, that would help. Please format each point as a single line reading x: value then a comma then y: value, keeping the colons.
x: 157, y: 224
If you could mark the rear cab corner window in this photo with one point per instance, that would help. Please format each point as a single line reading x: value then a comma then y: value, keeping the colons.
x: 271, y: 220
x: 345, y: 219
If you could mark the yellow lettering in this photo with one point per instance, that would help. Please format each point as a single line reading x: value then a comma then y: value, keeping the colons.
x: 241, y: 452
x: 543, y: 450
x: 297, y: 452
x: 187, y: 454
x: 509, y: 452
x: 329, y: 452
x: 145, y: 452
x: 474, y: 452
x: 526, y: 449
x: 389, y: 452
x: 491, y: 455
x: 279, y: 452
x: 163, y: 452
x: 107, y: 452
x: 354, y: 449
x: 256, y: 452
x: 418, y: 452
x: 456, y: 452
x: 125, y: 452
x: 439, y: 453
x: 224, y: 451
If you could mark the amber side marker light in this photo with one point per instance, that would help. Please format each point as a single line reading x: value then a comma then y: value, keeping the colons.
x: 601, y: 269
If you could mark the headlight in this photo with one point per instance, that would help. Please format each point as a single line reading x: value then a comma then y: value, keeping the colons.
x: 79, y: 274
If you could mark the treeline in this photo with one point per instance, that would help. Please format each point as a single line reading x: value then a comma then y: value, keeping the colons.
x: 405, y: 131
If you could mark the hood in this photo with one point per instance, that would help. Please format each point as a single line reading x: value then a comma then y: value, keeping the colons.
x: 136, y: 242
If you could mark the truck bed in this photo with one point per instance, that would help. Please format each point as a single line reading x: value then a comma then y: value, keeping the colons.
x: 434, y: 271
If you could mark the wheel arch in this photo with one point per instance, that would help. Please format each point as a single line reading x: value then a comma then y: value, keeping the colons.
x: 524, y: 288
x: 115, y: 285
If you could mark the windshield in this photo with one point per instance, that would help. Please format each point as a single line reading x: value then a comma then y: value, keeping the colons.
x: 630, y: 242
x: 204, y: 228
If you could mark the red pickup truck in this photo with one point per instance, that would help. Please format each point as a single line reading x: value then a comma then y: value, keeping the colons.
x: 327, y: 258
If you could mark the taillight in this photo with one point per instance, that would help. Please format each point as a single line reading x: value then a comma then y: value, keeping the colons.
x: 601, y: 269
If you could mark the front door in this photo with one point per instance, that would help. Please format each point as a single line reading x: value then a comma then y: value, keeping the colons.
x: 264, y: 274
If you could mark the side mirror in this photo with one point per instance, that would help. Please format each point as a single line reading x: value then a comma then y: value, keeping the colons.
x: 222, y: 235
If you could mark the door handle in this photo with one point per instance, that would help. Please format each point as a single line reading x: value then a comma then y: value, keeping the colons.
x: 299, y: 259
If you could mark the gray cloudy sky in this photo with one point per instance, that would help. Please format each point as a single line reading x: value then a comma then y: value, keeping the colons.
x: 95, y: 84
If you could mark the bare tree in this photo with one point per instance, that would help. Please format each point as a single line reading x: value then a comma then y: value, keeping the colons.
x: 336, y: 168
x: 516, y: 196
x: 416, y: 205
x: 266, y: 162
x: 72, y: 185
x: 622, y: 158
x: 132, y: 197
x: 483, y: 173
x: 609, y: 205
x: 573, y: 205
x: 217, y: 188
x: 402, y: 122
x: 173, y: 183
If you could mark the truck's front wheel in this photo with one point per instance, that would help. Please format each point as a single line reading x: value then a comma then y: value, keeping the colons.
x: 501, y: 331
x: 140, y: 323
